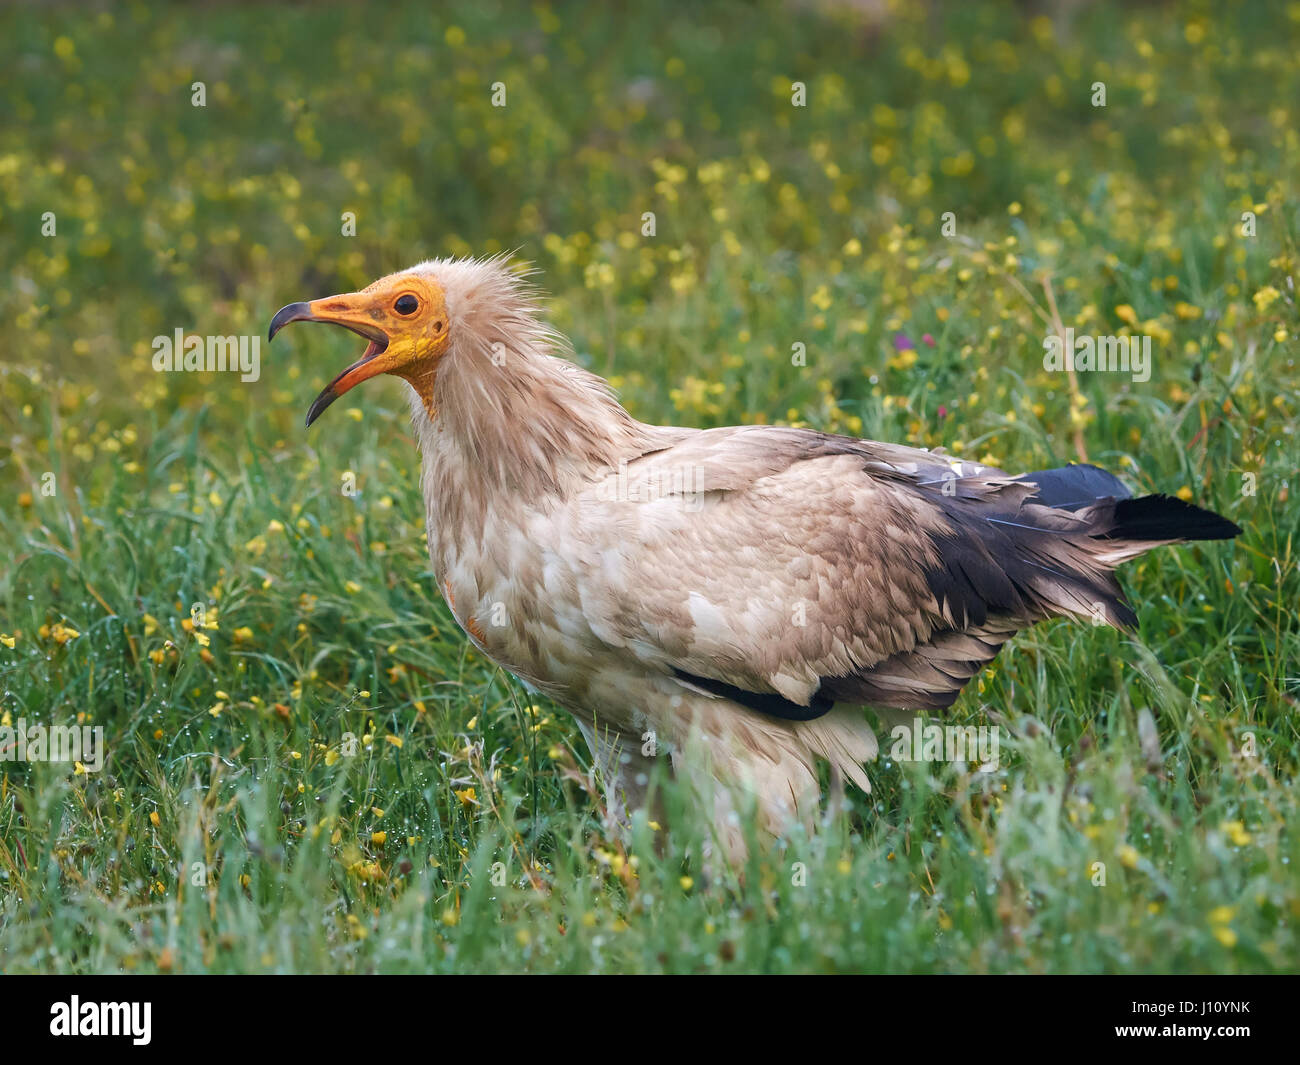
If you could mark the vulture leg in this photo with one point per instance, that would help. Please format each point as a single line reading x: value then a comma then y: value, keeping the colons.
x: 622, y: 772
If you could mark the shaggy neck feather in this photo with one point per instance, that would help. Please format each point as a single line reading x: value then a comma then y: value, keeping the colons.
x: 502, y: 417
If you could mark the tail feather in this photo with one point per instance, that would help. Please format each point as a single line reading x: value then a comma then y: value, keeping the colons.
x: 1147, y: 519
x: 1164, y: 518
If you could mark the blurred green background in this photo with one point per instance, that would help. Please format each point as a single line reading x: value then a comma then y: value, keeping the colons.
x: 775, y: 225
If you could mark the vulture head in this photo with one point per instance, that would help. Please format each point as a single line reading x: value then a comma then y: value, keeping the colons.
x: 403, y: 316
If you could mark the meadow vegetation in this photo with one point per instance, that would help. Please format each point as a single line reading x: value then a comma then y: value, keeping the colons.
x: 307, y: 766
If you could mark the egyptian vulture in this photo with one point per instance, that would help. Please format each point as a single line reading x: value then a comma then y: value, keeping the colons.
x: 735, y: 595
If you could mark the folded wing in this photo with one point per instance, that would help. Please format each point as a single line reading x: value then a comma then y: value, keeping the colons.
x: 789, y: 570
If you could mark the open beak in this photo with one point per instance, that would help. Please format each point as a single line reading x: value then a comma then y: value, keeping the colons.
x: 352, y: 312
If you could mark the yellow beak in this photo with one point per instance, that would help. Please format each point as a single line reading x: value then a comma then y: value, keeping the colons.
x: 354, y: 311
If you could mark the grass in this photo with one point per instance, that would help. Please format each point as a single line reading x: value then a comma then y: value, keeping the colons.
x: 321, y: 775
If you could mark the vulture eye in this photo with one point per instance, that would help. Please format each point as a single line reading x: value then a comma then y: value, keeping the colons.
x: 407, y: 304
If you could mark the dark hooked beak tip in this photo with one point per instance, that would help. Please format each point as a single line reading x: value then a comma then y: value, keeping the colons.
x: 294, y: 312
x: 327, y: 396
